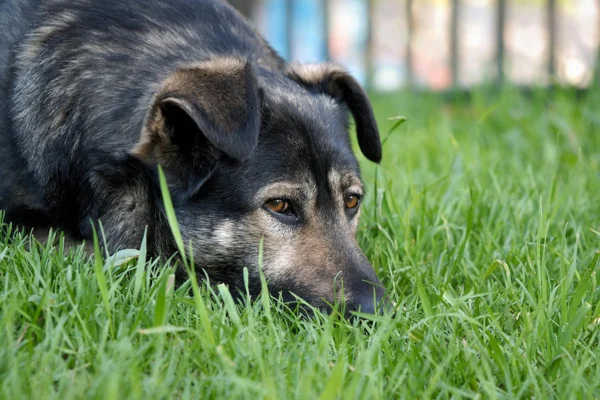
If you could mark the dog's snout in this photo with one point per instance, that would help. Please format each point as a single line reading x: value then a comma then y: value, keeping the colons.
x: 370, y: 299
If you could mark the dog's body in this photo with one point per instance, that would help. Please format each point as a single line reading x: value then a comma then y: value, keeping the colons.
x: 93, y: 95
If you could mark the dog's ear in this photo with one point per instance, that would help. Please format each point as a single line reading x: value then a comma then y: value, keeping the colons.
x: 333, y: 80
x: 201, y: 112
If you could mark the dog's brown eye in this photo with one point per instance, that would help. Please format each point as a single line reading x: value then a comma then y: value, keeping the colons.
x: 351, y: 202
x: 279, y: 206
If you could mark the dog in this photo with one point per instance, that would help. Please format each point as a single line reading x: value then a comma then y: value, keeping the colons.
x: 95, y: 95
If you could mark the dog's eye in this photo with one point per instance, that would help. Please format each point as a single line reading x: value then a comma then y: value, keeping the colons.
x: 278, y: 206
x: 352, y: 201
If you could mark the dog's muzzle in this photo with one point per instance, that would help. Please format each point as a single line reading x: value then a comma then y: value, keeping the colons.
x: 369, y: 298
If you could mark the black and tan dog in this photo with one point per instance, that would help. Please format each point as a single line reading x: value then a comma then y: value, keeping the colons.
x: 94, y: 94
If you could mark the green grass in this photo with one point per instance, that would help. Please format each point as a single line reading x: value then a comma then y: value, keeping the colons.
x: 483, y: 221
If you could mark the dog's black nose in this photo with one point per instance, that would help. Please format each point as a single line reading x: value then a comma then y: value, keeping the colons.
x: 369, y: 301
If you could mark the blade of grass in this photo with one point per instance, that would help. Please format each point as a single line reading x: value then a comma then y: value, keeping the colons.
x: 140, y: 267
x: 100, y: 276
x: 160, y: 308
x: 335, y: 383
x: 170, y: 212
x: 190, y: 268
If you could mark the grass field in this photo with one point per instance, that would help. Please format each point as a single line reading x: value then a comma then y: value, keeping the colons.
x: 483, y: 221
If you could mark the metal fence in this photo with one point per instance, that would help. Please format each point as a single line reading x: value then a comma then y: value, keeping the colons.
x: 452, y: 37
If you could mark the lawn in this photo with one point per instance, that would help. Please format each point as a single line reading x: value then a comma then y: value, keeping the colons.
x: 483, y: 221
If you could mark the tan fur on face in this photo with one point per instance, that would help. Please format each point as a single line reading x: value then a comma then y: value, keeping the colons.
x: 284, y: 189
x: 224, y: 233
x: 309, y: 254
x: 342, y: 184
x: 313, y: 255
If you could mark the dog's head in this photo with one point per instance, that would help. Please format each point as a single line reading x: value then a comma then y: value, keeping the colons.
x: 253, y: 155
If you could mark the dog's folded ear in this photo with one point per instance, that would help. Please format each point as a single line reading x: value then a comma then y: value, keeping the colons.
x: 199, y: 113
x: 333, y: 80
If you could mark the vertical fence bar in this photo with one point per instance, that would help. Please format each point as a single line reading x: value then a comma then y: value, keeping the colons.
x: 369, y: 53
x: 551, y: 26
x: 454, y: 50
x: 325, y: 4
x: 500, y: 46
x: 596, y: 80
x: 289, y: 27
x: 409, y: 34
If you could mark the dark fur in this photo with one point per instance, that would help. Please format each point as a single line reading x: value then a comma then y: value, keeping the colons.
x: 95, y: 94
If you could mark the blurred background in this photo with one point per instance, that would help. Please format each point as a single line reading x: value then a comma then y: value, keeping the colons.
x: 439, y: 45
